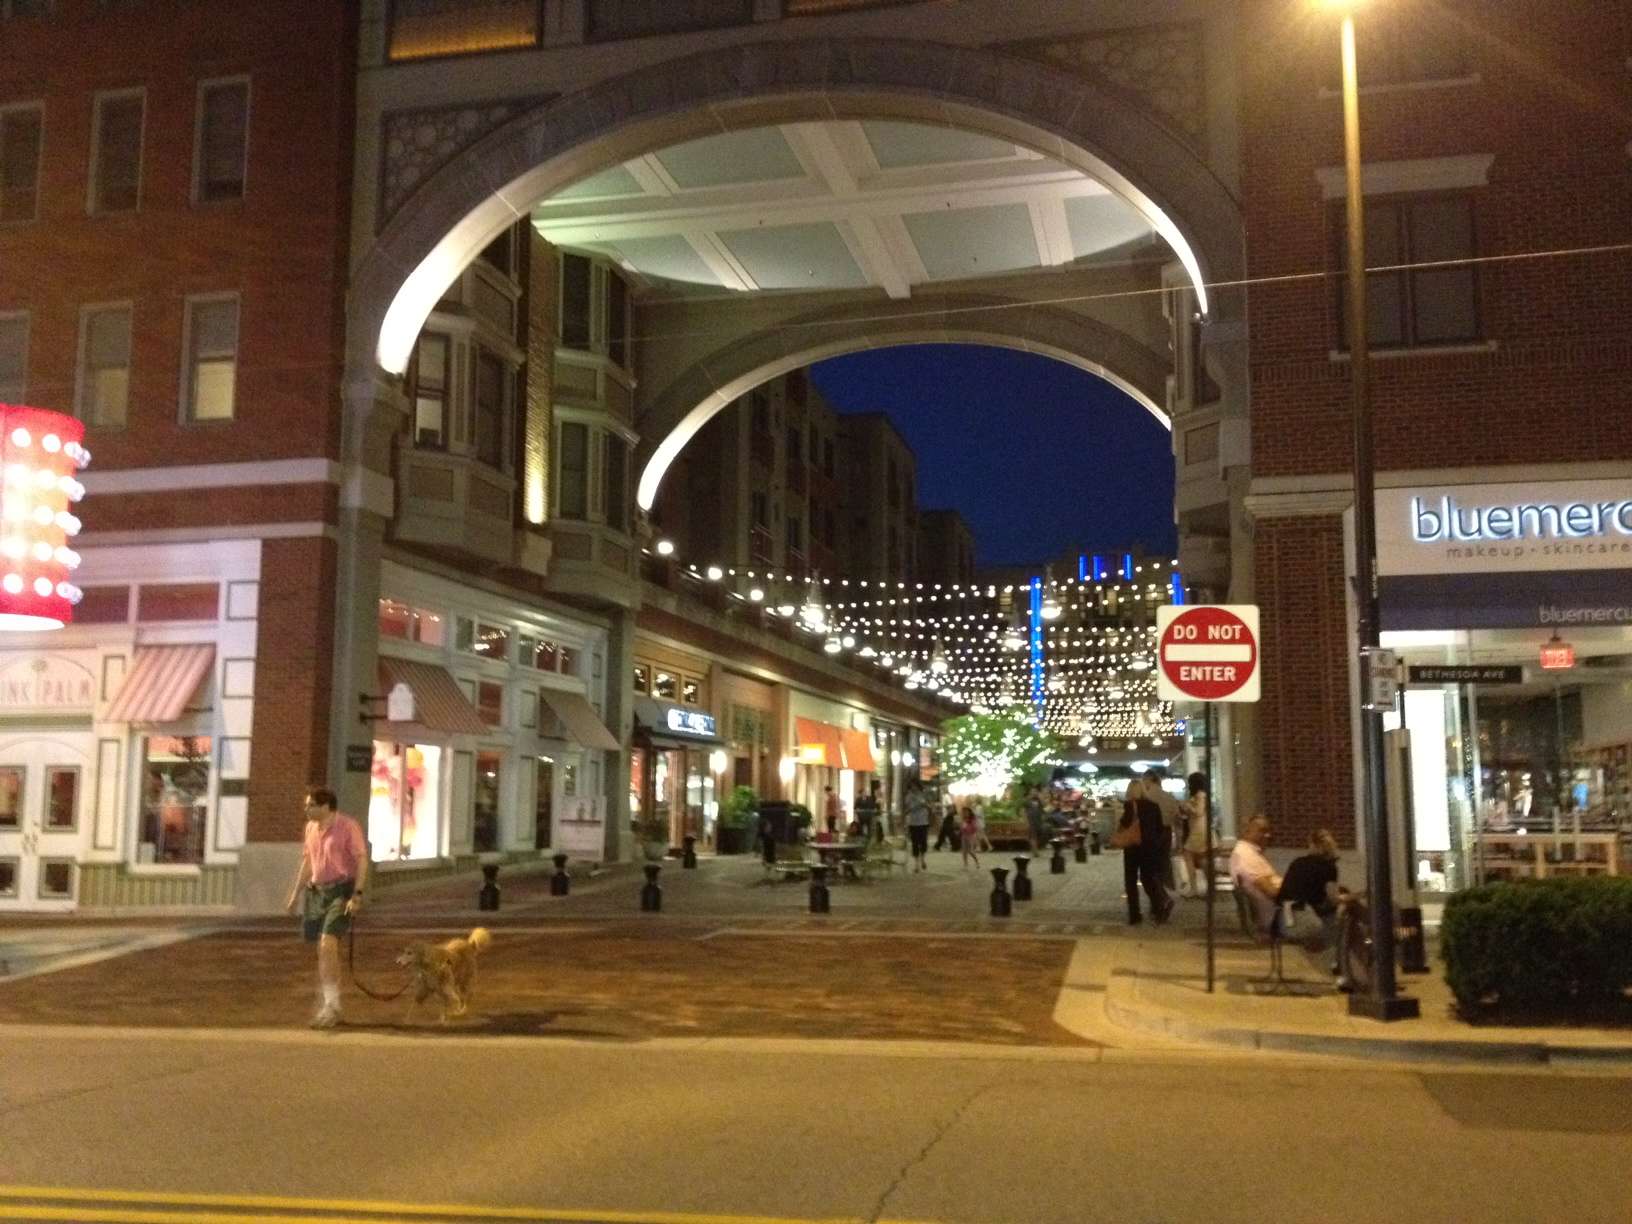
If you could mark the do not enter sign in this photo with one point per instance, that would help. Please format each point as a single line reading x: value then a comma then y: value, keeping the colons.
x: 1207, y: 652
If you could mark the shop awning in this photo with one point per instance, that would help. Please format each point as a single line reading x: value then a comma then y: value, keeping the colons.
x: 858, y: 751
x: 160, y: 682
x: 820, y: 743
x: 439, y: 706
x: 580, y: 719
x: 675, y: 726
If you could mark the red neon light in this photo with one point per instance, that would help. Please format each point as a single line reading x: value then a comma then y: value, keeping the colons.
x: 41, y: 454
x: 1557, y: 654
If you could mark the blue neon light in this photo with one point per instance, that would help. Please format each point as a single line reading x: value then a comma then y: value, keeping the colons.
x: 1038, y: 687
x: 1178, y: 589
x: 1127, y: 566
x: 1082, y: 567
x: 1099, y: 568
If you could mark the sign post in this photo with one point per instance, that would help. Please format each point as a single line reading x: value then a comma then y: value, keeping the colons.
x: 1210, y: 653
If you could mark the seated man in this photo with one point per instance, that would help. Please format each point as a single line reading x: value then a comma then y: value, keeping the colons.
x: 1252, y: 874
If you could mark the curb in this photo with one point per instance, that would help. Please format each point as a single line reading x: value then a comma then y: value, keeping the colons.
x: 1438, y: 1050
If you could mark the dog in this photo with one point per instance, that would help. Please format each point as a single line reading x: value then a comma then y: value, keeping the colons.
x: 447, y: 970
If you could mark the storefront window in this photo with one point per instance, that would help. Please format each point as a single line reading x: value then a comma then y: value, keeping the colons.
x: 643, y: 678
x: 175, y: 798
x: 567, y: 661
x: 543, y: 804
x: 404, y: 801
x: 541, y: 654
x: 666, y: 685
x: 490, y: 702
x: 691, y: 692
x: 491, y: 642
x: 485, y: 810
x: 61, y: 797
x: 409, y: 624
x: 11, y: 797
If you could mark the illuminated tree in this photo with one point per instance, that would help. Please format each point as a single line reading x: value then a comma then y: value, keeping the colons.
x: 985, y: 753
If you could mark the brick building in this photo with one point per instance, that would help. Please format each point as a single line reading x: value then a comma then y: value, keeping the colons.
x: 173, y: 229
x: 1495, y: 132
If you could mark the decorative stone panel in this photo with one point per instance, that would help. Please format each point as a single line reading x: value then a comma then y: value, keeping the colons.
x: 1162, y: 64
x: 415, y: 144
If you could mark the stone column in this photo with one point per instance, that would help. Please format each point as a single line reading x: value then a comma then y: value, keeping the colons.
x: 620, y: 719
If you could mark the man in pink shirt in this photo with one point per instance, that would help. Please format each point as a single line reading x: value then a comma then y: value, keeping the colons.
x: 333, y: 870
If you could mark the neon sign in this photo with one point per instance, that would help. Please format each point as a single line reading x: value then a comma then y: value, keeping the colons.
x: 690, y: 722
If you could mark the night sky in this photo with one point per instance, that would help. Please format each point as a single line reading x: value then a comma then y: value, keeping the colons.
x: 1041, y: 458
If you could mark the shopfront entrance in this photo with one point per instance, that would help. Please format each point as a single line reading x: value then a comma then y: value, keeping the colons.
x: 675, y: 765
x: 42, y: 789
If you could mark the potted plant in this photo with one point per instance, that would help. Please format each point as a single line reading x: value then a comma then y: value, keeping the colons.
x: 738, y: 814
x: 652, y: 832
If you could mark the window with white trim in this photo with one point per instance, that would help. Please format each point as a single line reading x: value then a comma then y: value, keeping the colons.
x: 102, y: 398
x: 430, y: 391
x: 573, y: 451
x: 21, y: 140
x: 616, y: 482
x: 13, y: 358
x: 221, y: 158
x: 212, y: 359
x: 116, y: 152
x: 493, y: 384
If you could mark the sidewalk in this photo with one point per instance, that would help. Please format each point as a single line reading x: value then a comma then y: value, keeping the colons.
x: 1159, y: 990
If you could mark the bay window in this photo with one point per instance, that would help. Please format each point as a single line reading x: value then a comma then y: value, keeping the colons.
x: 574, y: 475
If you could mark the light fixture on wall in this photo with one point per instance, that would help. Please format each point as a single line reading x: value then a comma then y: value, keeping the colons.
x: 1557, y: 654
x: 814, y: 611
x: 40, y: 455
x: 664, y: 548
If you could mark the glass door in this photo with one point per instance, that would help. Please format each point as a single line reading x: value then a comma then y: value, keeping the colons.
x: 41, y: 789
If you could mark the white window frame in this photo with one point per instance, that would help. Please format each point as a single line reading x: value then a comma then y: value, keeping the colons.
x: 37, y: 106
x: 9, y: 316
x: 91, y: 184
x: 191, y: 303
x: 81, y: 385
x: 198, y: 135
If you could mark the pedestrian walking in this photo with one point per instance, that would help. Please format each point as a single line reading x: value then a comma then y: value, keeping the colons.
x: 830, y: 812
x: 333, y: 870
x: 918, y: 824
x: 947, y: 834
x: 1197, y: 811
x: 1034, y: 819
x: 1141, y: 860
x: 971, y: 836
x: 1168, y: 807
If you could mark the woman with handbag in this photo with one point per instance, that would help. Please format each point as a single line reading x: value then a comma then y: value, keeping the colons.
x: 1140, y: 835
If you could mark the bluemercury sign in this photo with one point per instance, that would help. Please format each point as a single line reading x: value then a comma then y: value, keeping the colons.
x: 42, y: 683
x: 688, y: 722
x: 1562, y: 525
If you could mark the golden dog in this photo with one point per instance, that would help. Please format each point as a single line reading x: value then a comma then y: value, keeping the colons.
x: 447, y: 970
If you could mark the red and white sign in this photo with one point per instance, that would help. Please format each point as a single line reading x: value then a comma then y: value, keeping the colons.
x: 1207, y: 652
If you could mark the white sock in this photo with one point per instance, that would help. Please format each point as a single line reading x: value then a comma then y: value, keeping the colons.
x: 331, y: 996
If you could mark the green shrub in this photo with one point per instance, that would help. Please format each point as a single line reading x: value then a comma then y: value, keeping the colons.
x: 1556, y: 946
x: 739, y: 807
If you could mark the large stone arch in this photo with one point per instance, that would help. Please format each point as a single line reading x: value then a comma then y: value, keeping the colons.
x: 674, y: 414
x: 1097, y: 129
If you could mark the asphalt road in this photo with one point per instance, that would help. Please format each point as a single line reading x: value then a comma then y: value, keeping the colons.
x: 724, y: 1129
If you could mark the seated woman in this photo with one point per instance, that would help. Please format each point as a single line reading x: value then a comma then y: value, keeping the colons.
x: 1309, y: 896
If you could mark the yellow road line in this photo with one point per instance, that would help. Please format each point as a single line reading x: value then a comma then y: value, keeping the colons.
x: 155, y: 1207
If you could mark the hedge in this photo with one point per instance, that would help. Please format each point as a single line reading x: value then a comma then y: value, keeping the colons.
x: 1556, y: 946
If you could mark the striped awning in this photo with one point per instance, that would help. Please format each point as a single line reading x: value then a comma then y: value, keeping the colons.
x: 439, y: 705
x: 580, y: 719
x: 858, y: 751
x: 820, y: 743
x: 160, y: 682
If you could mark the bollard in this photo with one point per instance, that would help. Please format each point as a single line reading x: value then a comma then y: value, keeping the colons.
x: 1022, y: 881
x: 651, y: 892
x: 1002, y: 903
x: 821, y: 902
x: 1413, y: 952
x: 1093, y: 842
x: 1080, y: 851
x: 1056, y: 864
x: 560, y: 882
x: 688, y: 856
x: 488, y: 898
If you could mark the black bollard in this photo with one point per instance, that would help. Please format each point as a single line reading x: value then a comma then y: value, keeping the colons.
x: 651, y: 892
x: 821, y: 901
x: 688, y: 855
x: 1093, y: 841
x: 1413, y: 952
x: 488, y: 898
x: 1022, y: 881
x: 1002, y: 903
x: 560, y: 882
x: 1080, y: 851
x: 1056, y: 865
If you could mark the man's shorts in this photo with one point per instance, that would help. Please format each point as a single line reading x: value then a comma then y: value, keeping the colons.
x: 325, y: 912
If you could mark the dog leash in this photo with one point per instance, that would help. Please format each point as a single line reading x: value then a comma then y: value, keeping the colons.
x: 351, y: 968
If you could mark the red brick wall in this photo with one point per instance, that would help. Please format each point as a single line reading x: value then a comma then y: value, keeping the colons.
x: 282, y: 247
x: 1551, y: 106
x: 294, y: 660
x: 1304, y: 710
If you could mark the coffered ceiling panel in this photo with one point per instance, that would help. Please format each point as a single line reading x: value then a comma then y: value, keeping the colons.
x: 1100, y: 223
x: 758, y: 155
x: 608, y: 183
x: 959, y: 243
x: 795, y: 257
x: 915, y: 144
x: 670, y: 257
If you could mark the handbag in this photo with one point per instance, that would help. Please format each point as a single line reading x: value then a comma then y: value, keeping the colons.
x: 1126, y: 835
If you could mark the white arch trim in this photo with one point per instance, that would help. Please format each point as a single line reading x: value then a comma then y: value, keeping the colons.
x: 722, y: 397
x: 425, y: 283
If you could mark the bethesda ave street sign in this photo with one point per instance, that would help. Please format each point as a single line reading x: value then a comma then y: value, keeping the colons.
x: 1208, y: 652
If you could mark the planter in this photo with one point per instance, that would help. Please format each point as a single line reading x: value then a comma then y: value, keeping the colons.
x: 731, y: 839
x: 654, y: 851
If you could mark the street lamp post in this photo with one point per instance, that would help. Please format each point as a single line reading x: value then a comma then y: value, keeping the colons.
x: 1382, y: 1001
